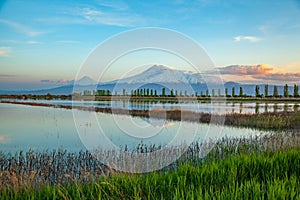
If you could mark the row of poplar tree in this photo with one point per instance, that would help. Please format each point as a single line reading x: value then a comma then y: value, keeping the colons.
x: 174, y: 93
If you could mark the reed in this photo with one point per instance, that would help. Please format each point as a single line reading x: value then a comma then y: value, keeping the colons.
x: 267, y: 164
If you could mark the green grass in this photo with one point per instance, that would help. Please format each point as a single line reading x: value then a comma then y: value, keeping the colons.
x: 269, y: 175
x: 266, y: 121
x: 261, y: 167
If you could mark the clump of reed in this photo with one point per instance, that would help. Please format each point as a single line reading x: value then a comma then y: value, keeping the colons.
x: 266, y: 121
x: 59, y: 167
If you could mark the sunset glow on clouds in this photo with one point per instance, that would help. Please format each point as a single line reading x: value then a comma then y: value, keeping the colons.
x: 246, y: 69
x: 261, y: 72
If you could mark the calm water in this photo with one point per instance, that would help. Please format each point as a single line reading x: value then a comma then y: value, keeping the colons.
x: 206, y: 107
x: 27, y: 127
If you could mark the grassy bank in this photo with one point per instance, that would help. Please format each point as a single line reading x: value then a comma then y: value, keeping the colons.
x: 258, y: 167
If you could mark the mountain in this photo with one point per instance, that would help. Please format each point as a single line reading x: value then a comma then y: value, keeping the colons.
x: 162, y: 74
x: 85, y: 81
x: 156, y: 78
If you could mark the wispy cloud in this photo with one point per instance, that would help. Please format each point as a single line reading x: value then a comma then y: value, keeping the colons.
x: 21, y: 28
x: 288, y: 77
x: 4, y: 139
x: 117, y: 5
x: 60, y: 81
x: 68, y: 42
x: 5, y: 51
x: 245, y: 69
x: 263, y: 28
x: 96, y: 16
x: 29, y: 42
x: 7, y: 75
x: 246, y: 38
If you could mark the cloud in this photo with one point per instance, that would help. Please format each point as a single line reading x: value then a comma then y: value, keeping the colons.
x: 61, y: 81
x: 30, y: 42
x: 261, y: 69
x: 280, y: 77
x: 21, y: 28
x: 6, y: 75
x: 117, y: 5
x: 263, y: 29
x: 246, y: 38
x: 68, y: 42
x: 93, y: 16
x: 5, y: 51
x: 4, y: 139
x: 106, y: 18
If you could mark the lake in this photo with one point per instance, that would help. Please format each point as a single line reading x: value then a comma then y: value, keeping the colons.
x: 45, y: 128
x: 195, y: 106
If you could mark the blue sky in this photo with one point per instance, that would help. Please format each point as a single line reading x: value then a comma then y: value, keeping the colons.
x: 49, y: 40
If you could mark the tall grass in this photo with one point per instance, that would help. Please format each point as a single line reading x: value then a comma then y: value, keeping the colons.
x: 270, y: 175
x: 267, y: 166
x: 266, y: 121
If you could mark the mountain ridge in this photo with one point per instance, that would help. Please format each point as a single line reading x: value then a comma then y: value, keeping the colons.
x: 155, y: 77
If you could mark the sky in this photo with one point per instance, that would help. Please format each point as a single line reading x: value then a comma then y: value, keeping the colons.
x: 44, y: 43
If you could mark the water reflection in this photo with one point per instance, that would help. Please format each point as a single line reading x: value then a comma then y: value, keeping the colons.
x: 40, y: 128
x: 195, y: 106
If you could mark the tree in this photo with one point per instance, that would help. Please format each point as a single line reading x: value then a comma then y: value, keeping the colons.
x: 185, y: 93
x: 163, y: 92
x: 155, y: 93
x: 219, y: 92
x: 213, y: 92
x: 172, y: 93
x: 233, y: 92
x: 286, y: 91
x: 176, y: 93
x: 124, y: 92
x: 241, y: 92
x: 85, y: 93
x: 296, y: 91
x: 257, y: 93
x: 206, y: 93
x: 148, y: 92
x: 151, y: 92
x: 226, y: 92
x: 49, y: 96
x: 266, y: 90
x: 275, y: 93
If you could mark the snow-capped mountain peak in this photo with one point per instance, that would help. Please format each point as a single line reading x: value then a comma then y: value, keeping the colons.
x: 162, y: 74
x: 85, y: 81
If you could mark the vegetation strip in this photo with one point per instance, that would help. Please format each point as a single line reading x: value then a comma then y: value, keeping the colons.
x: 266, y: 121
x: 243, y: 176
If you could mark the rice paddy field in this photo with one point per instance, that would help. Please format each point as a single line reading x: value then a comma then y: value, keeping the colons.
x: 262, y: 167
